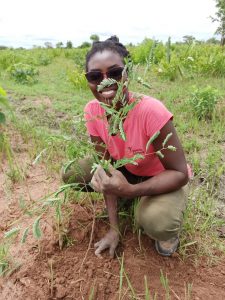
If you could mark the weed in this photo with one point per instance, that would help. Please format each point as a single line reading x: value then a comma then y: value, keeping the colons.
x: 165, y: 283
x: 23, y: 73
x: 3, y: 103
x: 77, y: 78
x: 14, y: 172
x: 4, y: 258
x: 199, y: 234
x: 203, y: 102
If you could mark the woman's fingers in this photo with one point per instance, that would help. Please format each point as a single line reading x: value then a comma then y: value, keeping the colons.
x: 97, y: 244
x: 95, y: 184
x: 100, y: 173
x: 102, y: 245
x: 112, y: 250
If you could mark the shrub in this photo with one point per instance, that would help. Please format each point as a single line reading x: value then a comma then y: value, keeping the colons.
x: 169, y: 70
x: 203, y: 102
x: 7, y: 58
x: 23, y: 73
x: 3, y: 103
x: 77, y: 78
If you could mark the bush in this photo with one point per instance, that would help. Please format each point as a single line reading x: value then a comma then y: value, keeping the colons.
x: 7, y: 58
x: 77, y: 55
x: 3, y: 103
x: 77, y: 78
x: 203, y: 102
x: 23, y: 73
x: 147, y: 50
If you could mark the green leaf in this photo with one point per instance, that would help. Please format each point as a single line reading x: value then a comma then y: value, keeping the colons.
x: 39, y: 156
x: 36, y: 228
x: 2, y: 92
x: 51, y: 201
x: 109, y: 110
x: 106, y: 83
x: 24, y: 236
x: 115, y: 126
x: 4, y: 101
x: 159, y: 153
x: 167, y: 138
x: 172, y: 148
x: 2, y: 118
x: 122, y: 133
x: 124, y: 161
x: 67, y: 166
x: 12, y: 232
x: 151, y: 140
x: 142, y: 82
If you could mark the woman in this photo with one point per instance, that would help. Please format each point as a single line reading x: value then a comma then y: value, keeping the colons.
x: 157, y: 180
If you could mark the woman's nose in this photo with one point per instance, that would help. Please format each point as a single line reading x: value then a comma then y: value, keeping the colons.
x: 104, y: 75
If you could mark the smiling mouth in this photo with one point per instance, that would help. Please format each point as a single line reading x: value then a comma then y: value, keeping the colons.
x: 109, y: 92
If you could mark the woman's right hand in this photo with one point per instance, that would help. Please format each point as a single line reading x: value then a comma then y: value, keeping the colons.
x: 110, y: 240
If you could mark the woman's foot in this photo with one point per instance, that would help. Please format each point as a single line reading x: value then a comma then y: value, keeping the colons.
x: 167, y: 248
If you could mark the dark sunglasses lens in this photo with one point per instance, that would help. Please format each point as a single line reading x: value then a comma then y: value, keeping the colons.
x: 115, y: 73
x: 94, y: 76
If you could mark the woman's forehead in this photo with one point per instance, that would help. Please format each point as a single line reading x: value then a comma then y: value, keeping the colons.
x: 104, y: 59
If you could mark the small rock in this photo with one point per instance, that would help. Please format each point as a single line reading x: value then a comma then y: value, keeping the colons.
x: 108, y: 275
x: 60, y: 292
x: 90, y: 273
x: 25, y: 281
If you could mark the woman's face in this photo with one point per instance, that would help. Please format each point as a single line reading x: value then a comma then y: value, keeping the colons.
x: 104, y: 62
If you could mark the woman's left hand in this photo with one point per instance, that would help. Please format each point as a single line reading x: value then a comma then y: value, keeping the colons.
x: 112, y: 183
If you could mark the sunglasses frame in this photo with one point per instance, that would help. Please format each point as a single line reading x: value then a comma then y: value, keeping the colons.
x: 107, y: 74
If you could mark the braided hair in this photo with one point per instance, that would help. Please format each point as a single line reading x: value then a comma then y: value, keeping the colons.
x: 112, y: 44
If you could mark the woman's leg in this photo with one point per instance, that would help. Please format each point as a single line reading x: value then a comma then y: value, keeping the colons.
x: 80, y: 172
x: 161, y: 216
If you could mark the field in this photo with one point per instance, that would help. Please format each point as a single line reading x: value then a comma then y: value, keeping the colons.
x: 47, y: 229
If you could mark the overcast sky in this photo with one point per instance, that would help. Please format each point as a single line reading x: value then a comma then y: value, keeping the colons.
x: 28, y: 22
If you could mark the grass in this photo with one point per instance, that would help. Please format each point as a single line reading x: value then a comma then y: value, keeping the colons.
x: 128, y: 291
x: 4, y: 259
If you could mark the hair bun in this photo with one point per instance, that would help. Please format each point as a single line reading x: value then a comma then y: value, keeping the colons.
x: 113, y: 39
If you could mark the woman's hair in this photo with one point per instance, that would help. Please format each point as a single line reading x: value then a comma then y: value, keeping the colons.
x: 112, y: 44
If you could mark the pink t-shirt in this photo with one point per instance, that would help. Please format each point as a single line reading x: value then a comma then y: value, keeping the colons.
x: 146, y: 118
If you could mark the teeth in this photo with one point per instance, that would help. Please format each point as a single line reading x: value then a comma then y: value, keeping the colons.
x: 108, y: 93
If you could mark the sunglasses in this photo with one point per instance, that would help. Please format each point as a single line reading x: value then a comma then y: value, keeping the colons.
x: 96, y: 77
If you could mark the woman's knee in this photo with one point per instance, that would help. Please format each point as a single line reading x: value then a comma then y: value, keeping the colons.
x: 161, y: 216
x: 79, y: 172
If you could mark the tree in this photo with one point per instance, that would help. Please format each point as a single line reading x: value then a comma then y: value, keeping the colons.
x: 48, y: 45
x: 189, y: 39
x: 59, y: 45
x: 213, y: 40
x: 69, y: 45
x: 85, y: 45
x: 94, y: 38
x: 220, y: 18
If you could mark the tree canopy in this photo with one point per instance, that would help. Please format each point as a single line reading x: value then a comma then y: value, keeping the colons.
x: 220, y: 18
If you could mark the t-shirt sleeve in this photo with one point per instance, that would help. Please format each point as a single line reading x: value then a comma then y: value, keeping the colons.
x: 156, y: 116
x: 90, y: 118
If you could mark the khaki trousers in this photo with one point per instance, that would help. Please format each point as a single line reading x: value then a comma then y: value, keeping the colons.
x: 160, y: 216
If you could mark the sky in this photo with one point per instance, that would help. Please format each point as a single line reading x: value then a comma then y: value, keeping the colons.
x: 24, y: 23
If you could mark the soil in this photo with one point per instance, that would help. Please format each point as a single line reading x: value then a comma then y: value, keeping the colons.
x: 42, y: 271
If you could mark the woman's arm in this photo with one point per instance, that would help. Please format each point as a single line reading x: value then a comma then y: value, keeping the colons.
x: 173, y: 178
x: 100, y: 147
x: 175, y: 174
x: 111, y: 239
